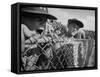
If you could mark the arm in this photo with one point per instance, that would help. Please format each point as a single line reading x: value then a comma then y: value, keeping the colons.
x: 27, y: 32
x: 22, y: 40
x: 80, y: 35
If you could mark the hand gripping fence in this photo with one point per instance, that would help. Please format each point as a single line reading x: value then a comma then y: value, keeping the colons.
x: 60, y: 54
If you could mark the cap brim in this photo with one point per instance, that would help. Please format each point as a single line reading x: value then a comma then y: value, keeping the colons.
x: 79, y: 23
x: 47, y: 15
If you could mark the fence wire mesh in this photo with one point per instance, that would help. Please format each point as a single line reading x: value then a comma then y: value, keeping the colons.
x: 59, y: 52
x: 42, y: 56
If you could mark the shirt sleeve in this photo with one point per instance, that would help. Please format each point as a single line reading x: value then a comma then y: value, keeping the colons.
x: 27, y: 32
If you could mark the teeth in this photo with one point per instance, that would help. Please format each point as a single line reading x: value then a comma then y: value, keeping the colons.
x: 41, y: 28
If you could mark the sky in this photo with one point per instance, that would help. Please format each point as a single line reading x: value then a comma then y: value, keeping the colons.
x: 86, y: 16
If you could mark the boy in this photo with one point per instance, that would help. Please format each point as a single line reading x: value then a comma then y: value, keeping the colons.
x: 33, y: 24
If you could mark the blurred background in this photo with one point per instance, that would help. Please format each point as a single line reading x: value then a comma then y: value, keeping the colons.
x: 86, y: 16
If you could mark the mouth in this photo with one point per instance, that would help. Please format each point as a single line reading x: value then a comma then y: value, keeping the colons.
x: 40, y: 30
x: 75, y: 32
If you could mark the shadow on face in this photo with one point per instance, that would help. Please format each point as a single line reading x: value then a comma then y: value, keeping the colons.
x: 73, y: 27
x: 34, y: 22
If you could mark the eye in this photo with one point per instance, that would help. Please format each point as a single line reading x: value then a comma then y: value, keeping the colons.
x: 41, y: 19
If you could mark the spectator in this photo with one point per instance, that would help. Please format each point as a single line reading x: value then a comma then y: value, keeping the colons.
x: 74, y: 27
x: 33, y: 19
x: 33, y: 23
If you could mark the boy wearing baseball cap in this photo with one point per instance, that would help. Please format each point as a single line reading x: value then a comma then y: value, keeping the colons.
x: 33, y: 24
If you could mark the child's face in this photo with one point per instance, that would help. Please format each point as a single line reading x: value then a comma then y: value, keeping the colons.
x: 73, y: 28
x: 36, y: 23
x: 40, y: 22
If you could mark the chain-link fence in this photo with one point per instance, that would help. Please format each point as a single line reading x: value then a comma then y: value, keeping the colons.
x: 59, y: 55
x: 59, y: 52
